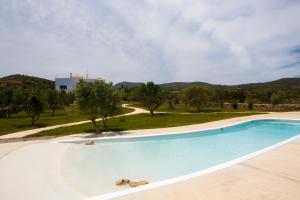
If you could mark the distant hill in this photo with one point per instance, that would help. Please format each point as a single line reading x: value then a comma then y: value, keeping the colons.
x: 292, y: 83
x: 24, y: 81
x: 126, y: 84
x: 180, y: 85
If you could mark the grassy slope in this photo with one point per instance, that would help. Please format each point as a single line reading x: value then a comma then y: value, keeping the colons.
x: 21, y: 122
x: 23, y: 81
x: 143, y: 121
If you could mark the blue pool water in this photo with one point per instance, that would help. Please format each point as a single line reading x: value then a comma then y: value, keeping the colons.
x: 94, y: 169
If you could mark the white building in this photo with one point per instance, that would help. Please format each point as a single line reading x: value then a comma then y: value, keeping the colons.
x: 69, y: 84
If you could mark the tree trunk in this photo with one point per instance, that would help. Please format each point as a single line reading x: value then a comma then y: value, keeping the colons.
x: 97, y: 129
x: 32, y: 120
x: 103, y: 121
x: 152, y: 112
x: 53, y: 110
x: 96, y: 126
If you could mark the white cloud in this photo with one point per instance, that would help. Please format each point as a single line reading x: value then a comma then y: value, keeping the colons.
x: 175, y: 40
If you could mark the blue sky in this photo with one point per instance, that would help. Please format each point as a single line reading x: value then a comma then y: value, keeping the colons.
x: 226, y: 42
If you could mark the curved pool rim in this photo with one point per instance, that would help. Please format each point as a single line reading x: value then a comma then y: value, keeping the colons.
x: 187, y: 176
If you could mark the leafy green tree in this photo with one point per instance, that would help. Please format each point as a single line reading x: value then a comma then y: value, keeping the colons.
x: 172, y: 99
x: 97, y: 99
x: 70, y: 98
x: 151, y: 96
x: 35, y: 105
x: 262, y: 95
x: 219, y: 97
x: 278, y: 97
x: 2, y: 104
x: 196, y: 96
x: 238, y: 95
x: 19, y: 100
x: 53, y: 100
x: 133, y: 94
x: 62, y: 98
x: 6, y: 96
x: 125, y: 93
x: 235, y: 95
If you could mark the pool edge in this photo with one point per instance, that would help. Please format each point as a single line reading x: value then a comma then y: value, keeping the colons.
x: 191, y: 175
x: 170, y: 133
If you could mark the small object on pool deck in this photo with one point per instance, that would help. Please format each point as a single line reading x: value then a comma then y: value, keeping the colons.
x: 137, y: 183
x: 122, y: 181
x: 91, y: 142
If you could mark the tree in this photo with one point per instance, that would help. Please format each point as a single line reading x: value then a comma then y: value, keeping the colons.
x: 196, y: 96
x: 62, y: 98
x: 151, y: 96
x: 6, y: 96
x: 19, y: 99
x: 124, y: 93
x: 97, y: 99
x: 234, y: 95
x: 219, y: 97
x: 53, y: 100
x: 35, y: 105
x: 172, y: 99
x: 277, y: 97
x: 262, y: 95
x: 70, y: 98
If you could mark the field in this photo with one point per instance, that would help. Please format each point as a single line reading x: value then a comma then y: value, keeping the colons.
x: 182, y: 108
x: 21, y: 121
x: 143, y: 121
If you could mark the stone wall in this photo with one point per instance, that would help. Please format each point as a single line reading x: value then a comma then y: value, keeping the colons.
x: 283, y: 107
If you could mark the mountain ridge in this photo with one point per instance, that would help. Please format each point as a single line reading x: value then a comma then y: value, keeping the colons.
x: 293, y: 83
x: 26, y: 81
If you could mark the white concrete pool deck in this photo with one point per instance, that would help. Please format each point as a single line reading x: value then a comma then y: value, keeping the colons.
x: 31, y: 170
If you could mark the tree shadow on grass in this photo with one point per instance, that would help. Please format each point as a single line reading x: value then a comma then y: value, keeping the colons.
x: 206, y: 110
x: 39, y: 125
x: 109, y: 130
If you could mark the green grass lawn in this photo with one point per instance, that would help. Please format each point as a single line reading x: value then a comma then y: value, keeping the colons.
x: 21, y: 121
x: 182, y: 108
x: 143, y: 121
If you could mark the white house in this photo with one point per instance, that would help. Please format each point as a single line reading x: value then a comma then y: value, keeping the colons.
x: 69, y: 84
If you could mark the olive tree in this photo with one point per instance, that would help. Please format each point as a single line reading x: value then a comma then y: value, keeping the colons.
x: 6, y: 96
x: 278, y: 97
x: 195, y: 96
x: 19, y: 100
x: 98, y: 100
x: 151, y: 96
x: 35, y: 105
x: 53, y: 100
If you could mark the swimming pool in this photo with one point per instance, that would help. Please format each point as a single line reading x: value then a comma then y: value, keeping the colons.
x: 93, y: 170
